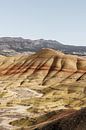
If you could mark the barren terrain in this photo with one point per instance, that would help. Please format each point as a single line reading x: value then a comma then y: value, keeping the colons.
x: 37, y: 88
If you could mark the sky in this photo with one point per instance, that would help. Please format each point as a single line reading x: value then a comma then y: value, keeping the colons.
x: 61, y: 20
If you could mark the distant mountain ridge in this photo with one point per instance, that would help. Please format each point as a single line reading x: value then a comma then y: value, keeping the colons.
x: 15, y: 45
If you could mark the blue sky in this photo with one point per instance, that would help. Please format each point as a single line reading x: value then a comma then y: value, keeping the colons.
x: 61, y: 20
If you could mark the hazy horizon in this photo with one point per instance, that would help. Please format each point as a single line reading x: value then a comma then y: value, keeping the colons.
x: 60, y: 20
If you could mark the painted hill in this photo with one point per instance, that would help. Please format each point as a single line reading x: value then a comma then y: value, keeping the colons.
x: 32, y: 86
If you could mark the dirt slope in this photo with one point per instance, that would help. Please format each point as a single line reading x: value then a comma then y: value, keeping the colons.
x: 33, y: 85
